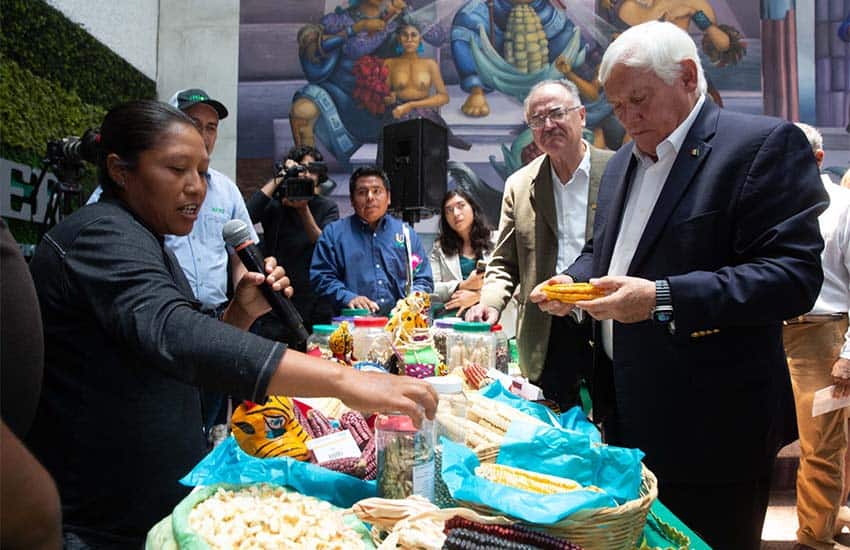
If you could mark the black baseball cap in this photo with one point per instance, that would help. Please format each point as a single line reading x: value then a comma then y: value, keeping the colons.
x: 184, y: 99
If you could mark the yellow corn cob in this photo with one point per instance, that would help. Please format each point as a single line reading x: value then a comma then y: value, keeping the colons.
x: 571, y: 293
x: 525, y: 480
x: 578, y: 288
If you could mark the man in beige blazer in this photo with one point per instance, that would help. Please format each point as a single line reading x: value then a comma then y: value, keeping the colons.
x: 547, y: 215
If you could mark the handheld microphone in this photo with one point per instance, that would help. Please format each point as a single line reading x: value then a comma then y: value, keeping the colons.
x: 236, y: 234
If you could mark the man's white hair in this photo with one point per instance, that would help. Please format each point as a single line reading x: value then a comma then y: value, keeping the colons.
x: 571, y: 89
x: 813, y: 135
x: 656, y: 46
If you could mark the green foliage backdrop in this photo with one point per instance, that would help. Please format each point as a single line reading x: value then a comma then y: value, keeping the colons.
x: 56, y: 80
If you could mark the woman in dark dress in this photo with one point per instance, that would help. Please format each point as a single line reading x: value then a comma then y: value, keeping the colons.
x: 127, y: 349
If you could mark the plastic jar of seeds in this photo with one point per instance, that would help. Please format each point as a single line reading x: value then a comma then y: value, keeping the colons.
x: 440, y: 333
x: 405, y: 457
x: 450, y: 423
x: 503, y: 353
x: 471, y: 344
x: 355, y: 312
x: 513, y: 365
x: 317, y: 343
x: 371, y: 341
x: 336, y: 321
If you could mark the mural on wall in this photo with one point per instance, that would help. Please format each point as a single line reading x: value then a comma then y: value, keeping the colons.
x: 351, y: 66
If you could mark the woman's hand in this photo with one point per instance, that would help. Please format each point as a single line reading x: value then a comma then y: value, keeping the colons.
x: 463, y: 299
x: 248, y: 302
x: 474, y: 282
x: 402, y: 110
x: 390, y: 98
x: 375, y: 392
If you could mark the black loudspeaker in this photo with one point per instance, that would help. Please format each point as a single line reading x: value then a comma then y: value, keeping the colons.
x: 415, y: 157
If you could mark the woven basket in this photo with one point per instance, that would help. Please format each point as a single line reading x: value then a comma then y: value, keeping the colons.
x: 609, y: 528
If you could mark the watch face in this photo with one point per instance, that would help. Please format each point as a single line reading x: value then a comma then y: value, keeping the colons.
x: 663, y: 314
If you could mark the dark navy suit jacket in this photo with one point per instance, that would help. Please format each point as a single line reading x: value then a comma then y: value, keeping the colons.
x: 735, y: 233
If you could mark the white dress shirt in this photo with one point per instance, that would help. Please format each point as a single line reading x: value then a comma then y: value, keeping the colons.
x: 571, y: 211
x: 834, y: 224
x: 646, y: 187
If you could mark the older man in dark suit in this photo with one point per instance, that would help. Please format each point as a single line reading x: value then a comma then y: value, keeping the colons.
x: 706, y: 238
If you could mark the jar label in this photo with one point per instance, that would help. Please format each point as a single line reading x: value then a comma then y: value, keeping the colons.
x: 423, y: 479
x: 334, y: 446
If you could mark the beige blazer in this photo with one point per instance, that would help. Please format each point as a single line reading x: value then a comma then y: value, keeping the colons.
x: 527, y: 250
x: 446, y: 272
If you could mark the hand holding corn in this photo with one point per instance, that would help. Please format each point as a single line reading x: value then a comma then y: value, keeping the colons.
x: 628, y: 300
x: 547, y: 304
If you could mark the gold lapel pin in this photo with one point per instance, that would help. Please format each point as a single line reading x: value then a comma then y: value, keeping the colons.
x: 694, y: 152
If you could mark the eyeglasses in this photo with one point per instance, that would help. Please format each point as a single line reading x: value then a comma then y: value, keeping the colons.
x: 555, y: 115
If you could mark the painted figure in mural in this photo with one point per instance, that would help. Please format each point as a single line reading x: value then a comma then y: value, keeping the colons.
x: 326, y: 109
x: 607, y: 131
x: 411, y: 78
x: 722, y: 44
x: 509, y: 45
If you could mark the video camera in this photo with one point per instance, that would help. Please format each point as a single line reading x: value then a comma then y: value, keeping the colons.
x: 65, y: 156
x: 65, y: 159
x: 296, y: 185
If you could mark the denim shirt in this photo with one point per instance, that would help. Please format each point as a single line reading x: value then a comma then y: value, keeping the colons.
x: 352, y: 260
x: 119, y: 421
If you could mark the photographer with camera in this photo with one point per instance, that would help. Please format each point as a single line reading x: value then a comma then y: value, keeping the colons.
x: 293, y: 215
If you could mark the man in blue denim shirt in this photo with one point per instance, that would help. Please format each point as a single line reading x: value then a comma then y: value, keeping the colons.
x: 361, y: 261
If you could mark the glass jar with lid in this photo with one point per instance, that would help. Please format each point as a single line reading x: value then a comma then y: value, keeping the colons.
x: 471, y: 344
x: 371, y: 341
x: 440, y: 333
x: 503, y: 353
x: 513, y: 365
x: 449, y: 422
x: 355, y: 312
x: 339, y: 319
x: 317, y: 343
x: 405, y: 457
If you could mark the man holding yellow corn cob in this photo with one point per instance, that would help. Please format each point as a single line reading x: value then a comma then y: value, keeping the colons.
x: 547, y: 215
x: 706, y: 238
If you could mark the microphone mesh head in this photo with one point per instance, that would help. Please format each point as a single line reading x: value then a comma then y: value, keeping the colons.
x: 235, y: 232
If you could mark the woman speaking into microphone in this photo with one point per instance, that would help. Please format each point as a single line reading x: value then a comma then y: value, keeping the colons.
x: 126, y: 349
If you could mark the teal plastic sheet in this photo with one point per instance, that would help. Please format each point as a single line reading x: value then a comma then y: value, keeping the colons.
x: 229, y: 464
x: 458, y: 470
x: 497, y: 392
x: 573, y: 419
x: 574, y: 455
